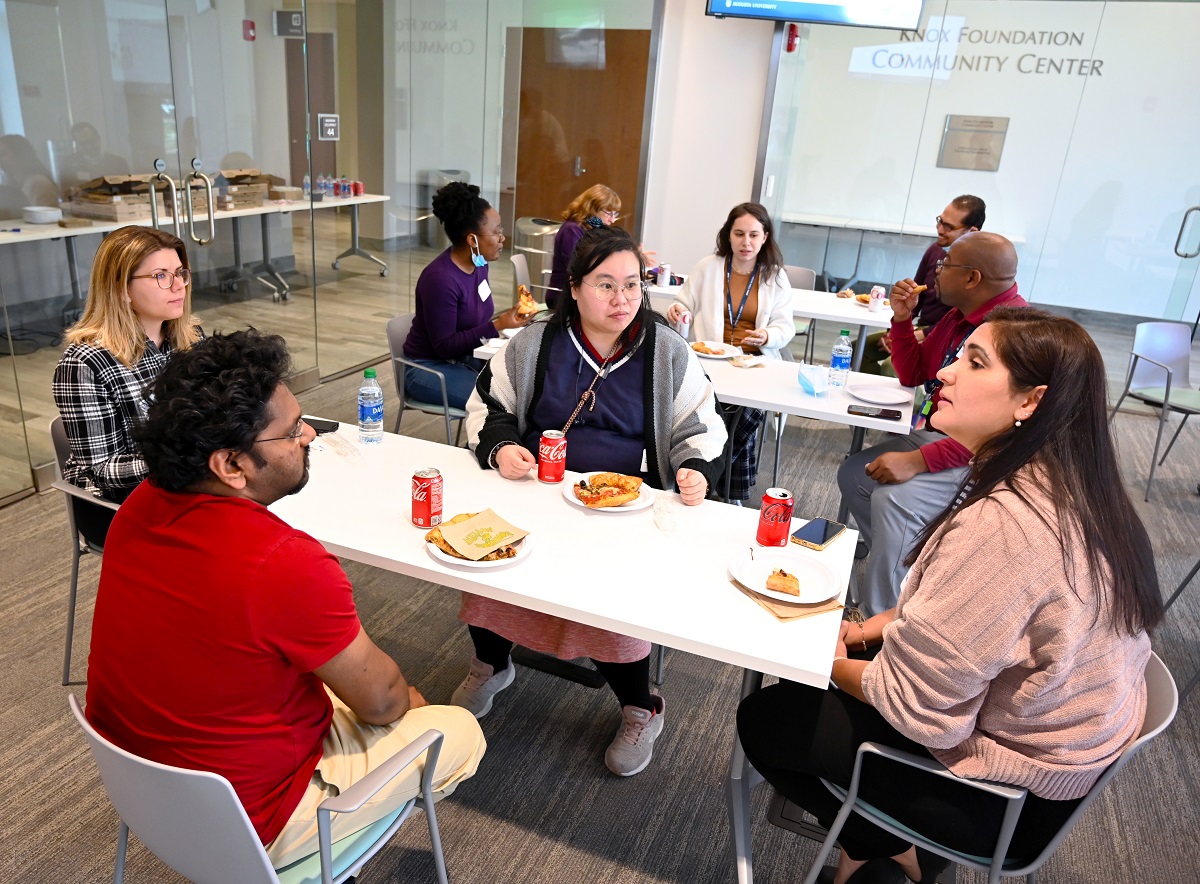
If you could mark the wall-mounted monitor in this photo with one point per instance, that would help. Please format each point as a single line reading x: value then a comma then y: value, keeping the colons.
x: 904, y: 15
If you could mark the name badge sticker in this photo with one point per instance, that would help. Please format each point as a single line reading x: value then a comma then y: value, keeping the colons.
x: 485, y: 290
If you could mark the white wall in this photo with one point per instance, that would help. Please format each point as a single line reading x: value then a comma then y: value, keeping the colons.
x: 712, y: 79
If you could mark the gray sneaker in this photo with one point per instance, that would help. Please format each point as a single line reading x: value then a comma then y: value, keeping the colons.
x: 632, y: 747
x: 480, y: 687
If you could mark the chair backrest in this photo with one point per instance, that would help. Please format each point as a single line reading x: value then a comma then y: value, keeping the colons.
x: 83, y: 517
x: 1166, y: 342
x: 1162, y: 701
x: 191, y: 820
x: 801, y: 277
x: 520, y: 267
x: 398, y: 328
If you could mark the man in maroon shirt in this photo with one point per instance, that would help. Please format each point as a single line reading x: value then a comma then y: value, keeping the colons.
x: 964, y: 214
x: 895, y: 488
x: 225, y: 640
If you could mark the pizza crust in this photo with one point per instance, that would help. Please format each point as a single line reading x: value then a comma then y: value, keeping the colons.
x: 607, y: 490
x: 525, y: 302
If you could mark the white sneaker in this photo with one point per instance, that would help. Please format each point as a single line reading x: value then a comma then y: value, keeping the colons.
x: 480, y: 687
x: 632, y: 747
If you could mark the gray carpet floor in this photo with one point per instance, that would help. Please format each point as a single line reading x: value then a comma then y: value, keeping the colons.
x: 543, y: 808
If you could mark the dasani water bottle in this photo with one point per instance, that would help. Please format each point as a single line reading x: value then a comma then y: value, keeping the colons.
x: 370, y: 409
x: 839, y: 361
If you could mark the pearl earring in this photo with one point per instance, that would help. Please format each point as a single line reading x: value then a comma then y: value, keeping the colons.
x: 1018, y: 423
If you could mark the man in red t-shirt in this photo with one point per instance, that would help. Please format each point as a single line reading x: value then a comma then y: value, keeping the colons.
x: 224, y: 640
x: 895, y: 488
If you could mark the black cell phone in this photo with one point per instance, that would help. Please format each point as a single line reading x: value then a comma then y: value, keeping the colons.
x: 887, y: 414
x: 817, y: 533
x: 322, y: 426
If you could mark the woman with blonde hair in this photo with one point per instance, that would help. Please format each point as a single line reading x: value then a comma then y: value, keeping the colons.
x: 598, y: 206
x: 138, y: 313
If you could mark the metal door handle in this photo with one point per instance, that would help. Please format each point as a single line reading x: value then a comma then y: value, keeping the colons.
x: 579, y: 170
x: 212, y: 219
x: 1179, y: 239
x: 174, y: 202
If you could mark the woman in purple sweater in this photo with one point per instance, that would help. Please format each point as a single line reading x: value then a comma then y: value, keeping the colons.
x: 454, y: 312
x: 598, y: 206
x: 1039, y: 569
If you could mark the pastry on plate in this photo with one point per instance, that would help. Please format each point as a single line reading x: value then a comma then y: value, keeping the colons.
x: 781, y: 581
x: 701, y: 347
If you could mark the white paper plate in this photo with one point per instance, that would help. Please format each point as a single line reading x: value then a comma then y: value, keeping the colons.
x: 728, y: 351
x: 645, y: 498
x: 880, y: 394
x: 511, y: 332
x: 41, y: 214
x: 523, y: 550
x: 818, y: 583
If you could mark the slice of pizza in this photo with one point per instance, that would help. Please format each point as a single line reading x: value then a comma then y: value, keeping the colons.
x: 608, y: 489
x: 781, y: 581
x: 525, y: 303
x: 701, y: 347
x: 435, y: 537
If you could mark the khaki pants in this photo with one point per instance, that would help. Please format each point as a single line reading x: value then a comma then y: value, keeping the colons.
x: 353, y: 749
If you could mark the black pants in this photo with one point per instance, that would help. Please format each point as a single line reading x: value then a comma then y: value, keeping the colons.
x: 795, y: 735
x: 629, y: 681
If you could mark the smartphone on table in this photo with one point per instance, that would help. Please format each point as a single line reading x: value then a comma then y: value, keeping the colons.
x: 887, y: 414
x: 321, y: 426
x: 817, y: 533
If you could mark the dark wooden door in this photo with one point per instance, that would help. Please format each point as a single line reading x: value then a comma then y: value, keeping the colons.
x: 321, y: 101
x: 583, y: 94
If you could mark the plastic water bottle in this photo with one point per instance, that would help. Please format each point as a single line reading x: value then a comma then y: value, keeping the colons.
x: 307, y: 186
x: 839, y: 362
x: 370, y: 409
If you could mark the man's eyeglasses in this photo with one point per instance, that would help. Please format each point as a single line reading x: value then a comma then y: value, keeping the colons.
x: 611, y: 216
x: 295, y: 434
x: 606, y: 291
x: 166, y: 279
x: 944, y: 262
x: 948, y: 227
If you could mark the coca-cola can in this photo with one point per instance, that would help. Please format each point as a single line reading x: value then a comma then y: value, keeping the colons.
x: 357, y: 188
x: 427, y: 498
x: 775, y: 517
x: 683, y: 324
x: 878, y: 296
x: 664, y: 274
x: 552, y: 456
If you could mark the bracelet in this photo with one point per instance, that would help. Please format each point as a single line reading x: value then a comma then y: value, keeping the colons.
x: 835, y: 659
x: 862, y: 631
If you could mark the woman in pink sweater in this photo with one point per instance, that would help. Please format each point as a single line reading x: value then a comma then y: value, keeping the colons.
x: 1018, y: 647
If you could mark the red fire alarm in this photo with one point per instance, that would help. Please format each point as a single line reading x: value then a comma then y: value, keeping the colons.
x: 793, y: 37
x: 248, y: 30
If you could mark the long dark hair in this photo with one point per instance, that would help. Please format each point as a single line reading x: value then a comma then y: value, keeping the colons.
x: 595, y: 246
x: 1068, y: 439
x: 770, y: 258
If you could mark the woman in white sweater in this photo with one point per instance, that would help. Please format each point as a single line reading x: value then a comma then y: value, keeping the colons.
x: 1018, y: 647
x: 741, y: 296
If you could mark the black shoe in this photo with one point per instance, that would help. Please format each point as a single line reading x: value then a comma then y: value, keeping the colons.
x: 879, y: 871
x: 931, y: 865
x: 826, y: 875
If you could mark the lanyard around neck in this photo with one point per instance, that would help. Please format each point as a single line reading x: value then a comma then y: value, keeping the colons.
x: 734, y: 320
x: 590, y: 392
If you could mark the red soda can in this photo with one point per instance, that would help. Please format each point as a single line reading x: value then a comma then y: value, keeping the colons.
x: 337, y: 186
x: 552, y: 456
x: 358, y: 188
x: 775, y: 517
x: 427, y: 498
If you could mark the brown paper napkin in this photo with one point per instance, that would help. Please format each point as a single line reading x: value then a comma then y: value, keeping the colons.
x: 477, y: 536
x: 787, y: 611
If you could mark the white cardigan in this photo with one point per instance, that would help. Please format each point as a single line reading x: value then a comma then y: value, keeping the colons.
x: 704, y: 295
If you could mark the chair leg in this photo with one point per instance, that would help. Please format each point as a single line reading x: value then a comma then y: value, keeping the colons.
x: 66, y: 679
x: 1173, y: 438
x: 122, y: 846
x: 1162, y: 425
x: 1032, y: 877
x: 458, y: 434
x: 741, y: 782
x: 435, y: 840
x: 1185, y: 582
x: 829, y: 843
x: 399, y: 414
x: 662, y: 665
x: 781, y: 423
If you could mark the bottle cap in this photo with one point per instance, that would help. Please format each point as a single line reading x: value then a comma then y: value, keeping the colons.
x: 845, y: 333
x: 369, y: 373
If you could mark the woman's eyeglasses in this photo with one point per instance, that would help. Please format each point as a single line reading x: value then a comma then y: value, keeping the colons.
x: 606, y: 291
x: 611, y: 216
x: 166, y: 279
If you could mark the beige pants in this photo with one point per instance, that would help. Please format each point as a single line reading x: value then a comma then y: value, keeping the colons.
x: 353, y: 749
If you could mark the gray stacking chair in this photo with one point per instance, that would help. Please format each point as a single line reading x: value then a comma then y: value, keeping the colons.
x: 520, y: 266
x: 1159, y: 368
x: 397, y: 332
x: 192, y: 820
x: 80, y: 504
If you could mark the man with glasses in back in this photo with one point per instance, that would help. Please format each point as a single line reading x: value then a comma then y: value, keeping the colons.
x: 965, y: 214
x: 225, y: 640
x: 895, y: 488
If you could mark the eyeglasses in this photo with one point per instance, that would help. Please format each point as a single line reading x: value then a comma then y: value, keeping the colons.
x: 612, y: 216
x: 499, y: 233
x: 606, y: 291
x: 948, y: 227
x: 166, y: 279
x: 294, y: 434
x: 944, y: 262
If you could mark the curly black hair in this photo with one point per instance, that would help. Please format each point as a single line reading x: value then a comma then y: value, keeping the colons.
x: 461, y: 210
x: 211, y: 396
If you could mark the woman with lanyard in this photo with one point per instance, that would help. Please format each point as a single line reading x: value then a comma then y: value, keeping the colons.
x: 632, y: 398
x: 741, y: 296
